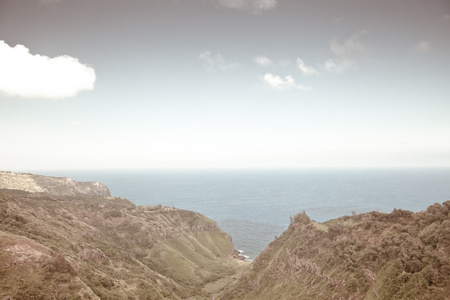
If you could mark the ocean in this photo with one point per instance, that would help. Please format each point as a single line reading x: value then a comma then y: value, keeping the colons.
x: 254, y: 206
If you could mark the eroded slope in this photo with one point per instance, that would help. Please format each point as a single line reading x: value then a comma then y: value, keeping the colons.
x: 91, y: 247
x: 402, y: 255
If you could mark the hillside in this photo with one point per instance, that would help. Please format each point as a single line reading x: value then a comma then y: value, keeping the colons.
x: 93, y: 247
x: 62, y: 243
x: 402, y: 255
x: 60, y: 186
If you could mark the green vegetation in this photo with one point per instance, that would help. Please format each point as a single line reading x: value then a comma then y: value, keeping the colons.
x: 91, y: 247
x: 402, y: 255
x: 55, y: 246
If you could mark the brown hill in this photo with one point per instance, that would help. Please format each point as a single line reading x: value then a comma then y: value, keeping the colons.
x: 402, y: 255
x: 51, y: 185
x: 79, y: 246
x: 92, y: 247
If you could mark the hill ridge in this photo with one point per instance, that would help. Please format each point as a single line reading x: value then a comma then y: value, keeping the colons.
x: 51, y: 185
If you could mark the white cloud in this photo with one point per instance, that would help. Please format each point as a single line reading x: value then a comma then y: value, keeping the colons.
x: 254, y: 6
x: 213, y: 62
x: 278, y: 83
x: 351, y: 46
x: 338, y: 65
x: 263, y: 61
x: 306, y: 70
x: 345, y: 54
x: 37, y: 76
x: 421, y: 47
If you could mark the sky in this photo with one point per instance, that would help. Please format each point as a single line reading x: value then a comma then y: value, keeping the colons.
x: 151, y: 84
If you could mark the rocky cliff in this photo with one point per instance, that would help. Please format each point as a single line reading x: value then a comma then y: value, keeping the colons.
x: 51, y: 185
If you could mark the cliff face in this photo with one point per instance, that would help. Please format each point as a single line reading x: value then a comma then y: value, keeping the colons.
x: 93, y: 247
x: 52, y: 185
x: 402, y: 255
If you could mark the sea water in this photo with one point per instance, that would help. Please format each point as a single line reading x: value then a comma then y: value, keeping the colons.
x: 254, y: 206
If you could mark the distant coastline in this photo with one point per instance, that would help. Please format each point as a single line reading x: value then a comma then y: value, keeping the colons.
x: 254, y: 206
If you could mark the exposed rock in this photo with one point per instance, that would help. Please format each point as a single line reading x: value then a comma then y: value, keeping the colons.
x: 53, y: 185
x: 237, y: 255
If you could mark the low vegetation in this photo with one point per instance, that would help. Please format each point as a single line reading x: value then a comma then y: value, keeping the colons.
x: 401, y: 255
x: 64, y: 246
x: 92, y: 247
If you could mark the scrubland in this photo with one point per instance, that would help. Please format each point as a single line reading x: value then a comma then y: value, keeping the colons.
x: 92, y: 247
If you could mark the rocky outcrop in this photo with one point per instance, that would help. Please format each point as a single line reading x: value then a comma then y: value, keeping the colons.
x: 61, y: 186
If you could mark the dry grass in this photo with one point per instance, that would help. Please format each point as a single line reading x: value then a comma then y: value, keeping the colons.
x: 90, y: 246
x: 402, y: 255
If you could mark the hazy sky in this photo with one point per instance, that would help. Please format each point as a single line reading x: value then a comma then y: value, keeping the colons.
x: 213, y: 83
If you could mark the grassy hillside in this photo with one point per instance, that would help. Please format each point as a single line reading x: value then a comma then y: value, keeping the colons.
x: 92, y: 247
x: 56, y: 246
x: 402, y: 255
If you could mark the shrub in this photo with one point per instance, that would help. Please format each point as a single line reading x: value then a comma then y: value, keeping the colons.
x: 300, y: 218
x: 115, y: 213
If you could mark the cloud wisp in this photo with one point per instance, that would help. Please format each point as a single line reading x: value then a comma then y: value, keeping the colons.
x: 345, y: 54
x: 306, y: 70
x: 263, y: 61
x: 277, y: 83
x: 25, y: 75
x: 216, y: 61
x: 351, y: 46
x: 338, y: 65
x: 421, y: 47
x: 253, y: 6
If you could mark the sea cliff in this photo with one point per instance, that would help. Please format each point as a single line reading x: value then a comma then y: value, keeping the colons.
x: 52, y: 185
